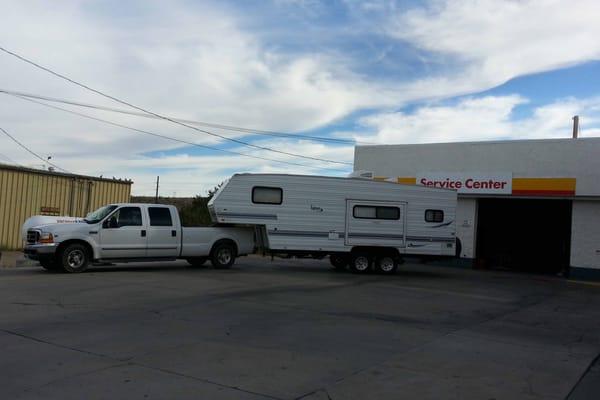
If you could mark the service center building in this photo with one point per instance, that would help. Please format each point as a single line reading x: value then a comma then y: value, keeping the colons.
x: 532, y: 205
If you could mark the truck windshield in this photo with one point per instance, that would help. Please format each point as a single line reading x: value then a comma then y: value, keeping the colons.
x: 99, y: 214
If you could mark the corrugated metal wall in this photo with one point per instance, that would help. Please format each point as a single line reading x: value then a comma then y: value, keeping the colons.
x: 24, y: 193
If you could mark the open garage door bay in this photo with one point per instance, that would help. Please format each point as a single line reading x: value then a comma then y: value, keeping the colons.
x: 524, y: 234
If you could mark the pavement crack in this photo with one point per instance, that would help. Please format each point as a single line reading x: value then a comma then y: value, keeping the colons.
x: 585, y: 372
x: 91, y: 353
x: 77, y: 375
x: 127, y: 361
x: 324, y: 390
x: 204, y: 380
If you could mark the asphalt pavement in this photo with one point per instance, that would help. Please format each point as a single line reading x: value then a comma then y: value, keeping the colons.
x: 291, y: 329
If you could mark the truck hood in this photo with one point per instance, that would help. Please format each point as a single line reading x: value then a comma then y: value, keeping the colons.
x: 51, y: 224
x: 63, y: 232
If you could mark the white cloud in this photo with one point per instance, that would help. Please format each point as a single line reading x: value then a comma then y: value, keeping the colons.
x: 489, y: 42
x: 484, y: 118
x: 197, y: 65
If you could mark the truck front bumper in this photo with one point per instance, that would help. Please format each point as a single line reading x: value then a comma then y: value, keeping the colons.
x: 40, y: 251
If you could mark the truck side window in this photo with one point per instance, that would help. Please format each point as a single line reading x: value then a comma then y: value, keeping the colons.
x: 267, y: 195
x: 128, y: 216
x: 434, y: 215
x: 160, y: 216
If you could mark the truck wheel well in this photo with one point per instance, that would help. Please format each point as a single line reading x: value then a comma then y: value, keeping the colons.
x: 85, y: 244
x: 376, y: 250
x: 224, y: 241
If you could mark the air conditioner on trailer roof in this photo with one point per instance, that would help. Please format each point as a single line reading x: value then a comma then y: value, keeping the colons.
x: 362, y: 174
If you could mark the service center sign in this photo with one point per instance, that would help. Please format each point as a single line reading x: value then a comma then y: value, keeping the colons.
x: 466, y: 182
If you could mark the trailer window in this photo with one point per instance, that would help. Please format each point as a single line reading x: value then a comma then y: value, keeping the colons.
x: 372, y: 212
x: 267, y: 195
x: 160, y: 216
x: 434, y: 215
x: 388, y: 213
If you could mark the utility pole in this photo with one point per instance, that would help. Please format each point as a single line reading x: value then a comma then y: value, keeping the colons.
x: 157, y: 181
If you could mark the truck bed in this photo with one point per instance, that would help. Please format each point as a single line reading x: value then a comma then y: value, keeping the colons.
x: 198, y: 241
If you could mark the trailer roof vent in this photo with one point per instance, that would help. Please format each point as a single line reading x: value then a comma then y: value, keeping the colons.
x: 362, y: 174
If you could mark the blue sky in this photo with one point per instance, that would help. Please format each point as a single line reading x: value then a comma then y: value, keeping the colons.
x: 377, y: 71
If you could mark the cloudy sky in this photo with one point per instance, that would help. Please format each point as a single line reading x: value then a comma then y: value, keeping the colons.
x: 370, y: 71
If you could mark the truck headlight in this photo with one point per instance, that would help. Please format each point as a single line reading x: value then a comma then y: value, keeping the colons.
x: 46, y: 237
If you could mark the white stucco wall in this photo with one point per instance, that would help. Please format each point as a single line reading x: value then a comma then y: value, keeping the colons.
x: 466, y: 226
x: 572, y: 158
x: 585, y: 234
x: 555, y: 158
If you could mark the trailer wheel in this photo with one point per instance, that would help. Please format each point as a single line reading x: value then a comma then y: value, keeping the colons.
x: 74, y: 258
x: 223, y: 255
x: 386, y: 264
x: 338, y: 261
x: 196, y: 261
x: 360, y: 263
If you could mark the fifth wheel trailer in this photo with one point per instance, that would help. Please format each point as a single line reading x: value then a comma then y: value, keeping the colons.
x: 358, y: 222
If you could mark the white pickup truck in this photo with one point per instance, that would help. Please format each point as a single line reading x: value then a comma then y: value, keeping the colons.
x: 134, y: 232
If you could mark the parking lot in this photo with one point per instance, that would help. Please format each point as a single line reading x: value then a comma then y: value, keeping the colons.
x: 289, y: 329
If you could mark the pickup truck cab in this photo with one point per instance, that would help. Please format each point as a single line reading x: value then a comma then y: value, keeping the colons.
x: 134, y: 232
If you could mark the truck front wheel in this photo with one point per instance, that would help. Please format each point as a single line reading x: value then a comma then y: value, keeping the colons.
x: 74, y: 258
x: 223, y: 256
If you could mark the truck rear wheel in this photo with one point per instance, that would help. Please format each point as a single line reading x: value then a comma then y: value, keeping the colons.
x: 360, y: 263
x: 196, y: 261
x: 74, y: 258
x: 223, y: 256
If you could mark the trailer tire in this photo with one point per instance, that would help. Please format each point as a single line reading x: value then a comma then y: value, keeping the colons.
x: 360, y: 263
x: 386, y: 264
x: 196, y: 261
x: 74, y: 258
x: 223, y: 255
x: 338, y: 261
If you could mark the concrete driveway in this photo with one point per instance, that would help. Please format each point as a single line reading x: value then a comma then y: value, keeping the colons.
x: 291, y: 329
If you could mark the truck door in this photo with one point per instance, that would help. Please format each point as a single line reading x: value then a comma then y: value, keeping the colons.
x: 123, y: 234
x: 163, y: 233
x: 375, y: 223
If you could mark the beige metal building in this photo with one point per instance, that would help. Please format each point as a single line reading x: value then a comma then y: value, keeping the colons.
x: 25, y: 192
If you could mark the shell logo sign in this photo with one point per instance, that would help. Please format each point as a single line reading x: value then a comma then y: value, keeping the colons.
x: 544, y: 186
x: 498, y: 183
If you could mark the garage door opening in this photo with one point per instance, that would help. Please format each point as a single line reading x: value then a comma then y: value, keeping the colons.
x: 525, y: 235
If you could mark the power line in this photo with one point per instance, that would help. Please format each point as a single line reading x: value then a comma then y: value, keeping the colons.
x: 32, y: 152
x: 160, y: 116
x: 171, y: 138
x: 210, y: 124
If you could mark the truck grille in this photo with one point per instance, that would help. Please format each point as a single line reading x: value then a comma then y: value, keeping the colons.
x: 32, y: 237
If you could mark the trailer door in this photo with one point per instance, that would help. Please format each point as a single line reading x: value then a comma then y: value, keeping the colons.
x: 375, y: 223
